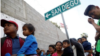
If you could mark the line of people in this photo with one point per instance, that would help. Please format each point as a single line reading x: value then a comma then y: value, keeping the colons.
x: 15, y: 45
x: 80, y: 47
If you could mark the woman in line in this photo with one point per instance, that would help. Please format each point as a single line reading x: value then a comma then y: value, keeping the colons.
x: 58, y: 47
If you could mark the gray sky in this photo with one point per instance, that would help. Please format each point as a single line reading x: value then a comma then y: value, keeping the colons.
x: 75, y: 20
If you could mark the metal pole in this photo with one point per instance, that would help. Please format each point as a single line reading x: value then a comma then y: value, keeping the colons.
x: 65, y: 27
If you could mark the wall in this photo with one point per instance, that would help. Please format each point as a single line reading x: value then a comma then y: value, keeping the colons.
x: 46, y: 33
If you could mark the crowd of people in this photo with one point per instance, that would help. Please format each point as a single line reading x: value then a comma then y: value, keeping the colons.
x: 80, y: 47
x: 14, y: 45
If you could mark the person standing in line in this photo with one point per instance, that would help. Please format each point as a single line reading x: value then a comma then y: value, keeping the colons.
x: 48, y: 53
x: 79, y: 40
x: 58, y: 47
x: 44, y: 54
x: 78, y: 47
x: 40, y: 52
x: 52, y: 49
x: 67, y: 49
x: 30, y: 45
x: 86, y: 46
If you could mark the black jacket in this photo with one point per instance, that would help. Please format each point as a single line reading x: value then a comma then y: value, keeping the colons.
x: 79, y: 47
x: 68, y: 52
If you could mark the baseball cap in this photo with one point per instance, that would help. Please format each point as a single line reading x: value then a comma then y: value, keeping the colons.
x: 3, y: 21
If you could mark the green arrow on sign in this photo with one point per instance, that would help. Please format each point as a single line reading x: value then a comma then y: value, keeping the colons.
x: 62, y: 8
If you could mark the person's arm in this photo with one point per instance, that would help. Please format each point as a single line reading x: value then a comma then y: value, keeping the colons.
x: 97, y: 27
x: 26, y: 45
x: 89, y: 51
x: 97, y: 36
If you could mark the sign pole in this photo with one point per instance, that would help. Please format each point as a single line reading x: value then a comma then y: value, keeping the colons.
x: 65, y: 28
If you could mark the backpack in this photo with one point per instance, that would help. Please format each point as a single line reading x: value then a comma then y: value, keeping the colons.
x: 4, y: 38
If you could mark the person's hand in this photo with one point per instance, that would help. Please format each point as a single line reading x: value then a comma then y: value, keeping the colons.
x: 43, y: 52
x: 89, y: 54
x: 90, y: 20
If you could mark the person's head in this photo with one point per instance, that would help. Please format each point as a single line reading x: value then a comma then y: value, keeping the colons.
x: 9, y: 26
x: 92, y: 11
x: 48, y: 52
x: 79, y: 40
x: 38, y: 50
x: 52, y: 48
x: 28, y: 29
x: 84, y: 39
x: 72, y: 41
x: 58, y: 46
x: 66, y: 43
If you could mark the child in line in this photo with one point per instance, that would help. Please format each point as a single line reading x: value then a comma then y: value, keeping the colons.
x: 67, y: 49
x: 52, y: 49
x: 30, y: 45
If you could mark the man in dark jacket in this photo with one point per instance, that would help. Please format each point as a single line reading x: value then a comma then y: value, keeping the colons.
x: 86, y: 46
x: 79, y: 48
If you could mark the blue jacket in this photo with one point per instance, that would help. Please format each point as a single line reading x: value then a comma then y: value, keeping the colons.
x: 29, y: 46
x: 86, y: 45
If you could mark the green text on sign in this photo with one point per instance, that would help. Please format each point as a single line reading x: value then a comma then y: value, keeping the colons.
x: 62, y: 8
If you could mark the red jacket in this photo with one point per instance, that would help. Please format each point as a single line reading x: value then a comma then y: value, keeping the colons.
x: 6, y: 48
